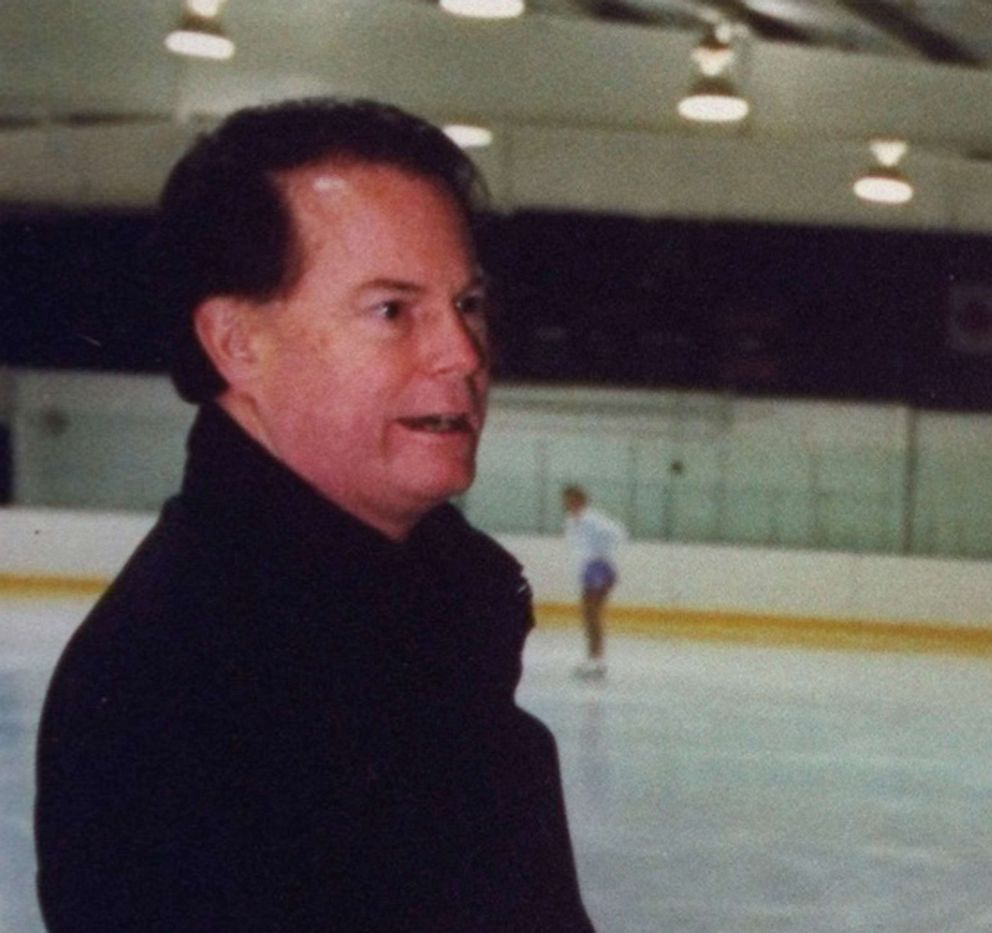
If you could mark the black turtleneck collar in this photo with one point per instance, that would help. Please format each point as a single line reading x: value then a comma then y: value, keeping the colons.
x: 241, y: 491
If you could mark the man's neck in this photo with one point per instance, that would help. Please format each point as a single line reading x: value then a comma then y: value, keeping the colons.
x: 244, y: 413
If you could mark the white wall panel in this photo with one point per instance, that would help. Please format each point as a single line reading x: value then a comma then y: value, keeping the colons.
x: 671, y: 465
x: 88, y: 440
x: 51, y: 543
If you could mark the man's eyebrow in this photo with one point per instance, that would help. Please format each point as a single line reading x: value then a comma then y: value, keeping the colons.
x: 390, y: 285
x: 401, y: 285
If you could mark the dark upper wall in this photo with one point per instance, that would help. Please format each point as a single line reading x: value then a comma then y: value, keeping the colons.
x: 873, y: 315
x: 776, y: 310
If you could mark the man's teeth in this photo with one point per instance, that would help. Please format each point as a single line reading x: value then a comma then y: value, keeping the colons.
x: 438, y: 423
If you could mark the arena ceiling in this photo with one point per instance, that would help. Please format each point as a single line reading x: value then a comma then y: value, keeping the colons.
x: 581, y: 95
x: 952, y: 32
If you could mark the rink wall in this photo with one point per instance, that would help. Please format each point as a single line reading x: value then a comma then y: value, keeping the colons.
x: 55, y: 549
x: 696, y: 590
x: 713, y: 469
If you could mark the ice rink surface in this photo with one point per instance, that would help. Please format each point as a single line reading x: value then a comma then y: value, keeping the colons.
x: 741, y: 789
x: 712, y: 788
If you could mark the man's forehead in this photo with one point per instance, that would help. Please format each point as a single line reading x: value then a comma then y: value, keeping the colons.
x: 338, y: 188
x: 325, y: 181
x: 326, y: 198
x: 338, y: 176
x: 329, y: 181
x: 338, y: 203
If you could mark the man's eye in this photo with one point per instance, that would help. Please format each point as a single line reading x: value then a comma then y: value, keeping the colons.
x: 389, y: 310
x: 472, y: 304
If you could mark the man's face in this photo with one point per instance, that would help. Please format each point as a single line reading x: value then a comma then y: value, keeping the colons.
x: 372, y: 373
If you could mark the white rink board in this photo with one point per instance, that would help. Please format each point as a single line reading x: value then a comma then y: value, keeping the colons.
x: 46, y: 543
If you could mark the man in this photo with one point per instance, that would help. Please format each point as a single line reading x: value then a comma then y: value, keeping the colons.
x: 293, y: 710
x: 594, y: 538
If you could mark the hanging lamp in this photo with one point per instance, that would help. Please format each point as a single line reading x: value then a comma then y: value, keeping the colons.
x: 484, y: 9
x: 713, y: 97
x: 199, y: 33
x: 884, y: 182
x: 468, y: 136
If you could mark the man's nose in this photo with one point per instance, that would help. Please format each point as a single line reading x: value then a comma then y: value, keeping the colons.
x: 456, y: 343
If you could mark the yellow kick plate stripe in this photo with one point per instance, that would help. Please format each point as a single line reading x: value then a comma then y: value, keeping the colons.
x: 774, y: 630
x: 692, y: 624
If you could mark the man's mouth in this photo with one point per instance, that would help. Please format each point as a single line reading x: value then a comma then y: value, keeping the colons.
x: 440, y: 424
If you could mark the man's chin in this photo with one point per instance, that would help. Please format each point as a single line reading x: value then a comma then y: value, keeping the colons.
x: 452, y: 483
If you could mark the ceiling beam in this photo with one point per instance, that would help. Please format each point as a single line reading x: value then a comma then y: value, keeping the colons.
x: 897, y: 21
x: 771, y: 28
x: 616, y: 11
x: 689, y: 14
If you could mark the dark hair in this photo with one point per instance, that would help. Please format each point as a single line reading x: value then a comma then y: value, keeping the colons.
x: 224, y: 227
x: 575, y: 493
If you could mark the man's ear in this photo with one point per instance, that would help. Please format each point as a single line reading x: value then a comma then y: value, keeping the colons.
x: 225, y: 327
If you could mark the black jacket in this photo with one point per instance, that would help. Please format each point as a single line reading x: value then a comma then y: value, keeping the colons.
x: 278, y: 720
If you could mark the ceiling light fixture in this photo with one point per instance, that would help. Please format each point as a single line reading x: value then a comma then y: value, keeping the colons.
x: 467, y: 136
x: 713, y: 98
x: 484, y: 9
x: 884, y: 183
x: 199, y: 33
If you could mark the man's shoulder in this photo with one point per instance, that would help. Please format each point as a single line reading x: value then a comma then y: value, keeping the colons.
x: 129, y: 645
x: 461, y: 543
x: 162, y: 589
x: 489, y: 570
x: 172, y: 558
